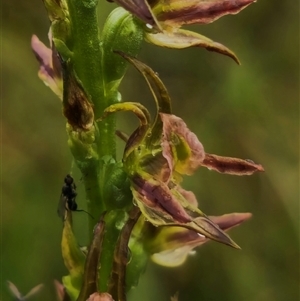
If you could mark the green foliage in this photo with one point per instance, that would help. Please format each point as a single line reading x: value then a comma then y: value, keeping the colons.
x: 116, y: 188
x: 120, y: 32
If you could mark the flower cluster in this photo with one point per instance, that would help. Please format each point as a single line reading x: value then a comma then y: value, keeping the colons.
x: 155, y: 159
x: 84, y: 68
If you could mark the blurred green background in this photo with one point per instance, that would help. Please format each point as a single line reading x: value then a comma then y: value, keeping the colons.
x: 249, y: 111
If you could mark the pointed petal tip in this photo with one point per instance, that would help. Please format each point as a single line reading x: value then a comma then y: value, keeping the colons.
x: 245, y: 215
x: 235, y: 245
x: 242, y: 216
x: 229, y: 242
x: 260, y: 168
x: 34, y: 38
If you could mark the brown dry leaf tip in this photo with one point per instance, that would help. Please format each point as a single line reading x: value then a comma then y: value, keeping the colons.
x: 100, y: 297
x: 77, y: 108
x: 231, y: 166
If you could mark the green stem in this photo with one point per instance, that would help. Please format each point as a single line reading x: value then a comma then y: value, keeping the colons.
x: 99, y: 71
x: 87, y: 63
x: 115, y: 221
x: 86, y: 58
x: 86, y: 49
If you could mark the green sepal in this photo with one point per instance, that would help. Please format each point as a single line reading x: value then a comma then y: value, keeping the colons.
x: 123, y: 32
x: 62, y: 48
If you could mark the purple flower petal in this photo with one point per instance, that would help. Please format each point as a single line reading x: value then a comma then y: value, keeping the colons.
x: 178, y: 12
x: 49, y: 73
x: 181, y: 147
x: 231, y: 166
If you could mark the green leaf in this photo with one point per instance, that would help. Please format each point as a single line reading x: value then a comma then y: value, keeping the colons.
x: 73, y: 258
x: 120, y: 32
x: 114, y: 221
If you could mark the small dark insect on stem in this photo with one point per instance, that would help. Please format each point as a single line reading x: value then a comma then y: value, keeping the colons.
x: 67, y: 199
